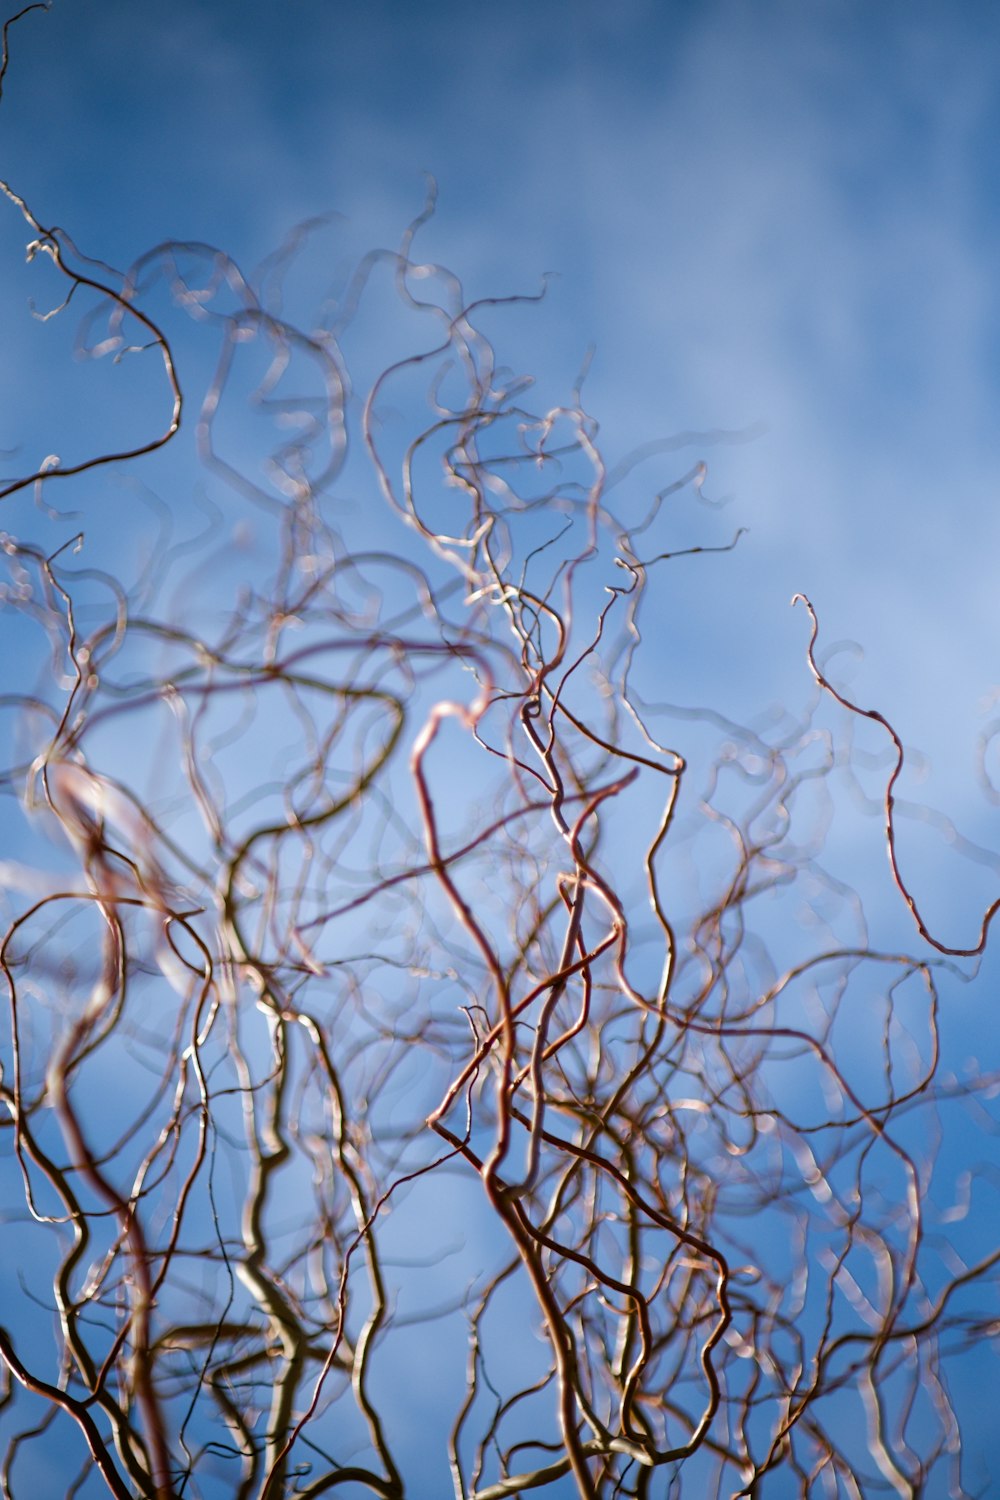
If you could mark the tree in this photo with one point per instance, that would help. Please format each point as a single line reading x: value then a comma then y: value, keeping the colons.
x: 396, y: 999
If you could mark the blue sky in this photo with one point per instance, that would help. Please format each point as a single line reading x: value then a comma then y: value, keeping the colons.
x: 778, y: 224
x: 777, y: 217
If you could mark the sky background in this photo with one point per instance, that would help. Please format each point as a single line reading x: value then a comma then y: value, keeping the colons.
x: 780, y: 220
x: 777, y: 224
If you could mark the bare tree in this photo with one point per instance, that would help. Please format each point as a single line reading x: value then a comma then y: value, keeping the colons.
x: 385, y: 973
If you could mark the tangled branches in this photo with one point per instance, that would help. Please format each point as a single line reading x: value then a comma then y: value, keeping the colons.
x: 396, y: 1023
